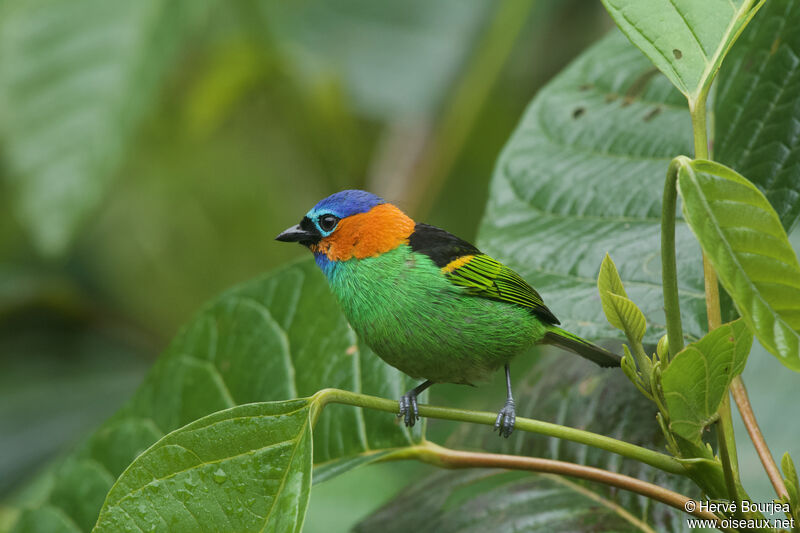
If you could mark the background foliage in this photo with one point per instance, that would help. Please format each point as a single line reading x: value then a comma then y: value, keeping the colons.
x: 152, y: 150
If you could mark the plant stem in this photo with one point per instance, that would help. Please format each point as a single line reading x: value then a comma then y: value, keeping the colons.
x: 631, y: 451
x: 669, y: 271
x: 448, y: 458
x: 726, y: 443
x: 698, y: 112
x: 748, y: 417
x: 712, y: 294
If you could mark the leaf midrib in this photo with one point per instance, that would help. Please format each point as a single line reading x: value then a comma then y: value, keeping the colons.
x: 722, y: 49
x: 617, y: 509
x: 286, y: 473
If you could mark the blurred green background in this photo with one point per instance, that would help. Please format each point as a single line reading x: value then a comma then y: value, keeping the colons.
x: 150, y: 151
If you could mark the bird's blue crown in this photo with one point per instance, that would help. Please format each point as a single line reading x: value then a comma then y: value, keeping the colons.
x: 346, y: 203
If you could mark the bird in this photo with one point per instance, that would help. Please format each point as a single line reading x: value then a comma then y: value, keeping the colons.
x: 427, y: 302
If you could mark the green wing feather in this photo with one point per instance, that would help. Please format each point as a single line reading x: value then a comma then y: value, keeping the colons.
x: 480, y: 275
x: 484, y: 276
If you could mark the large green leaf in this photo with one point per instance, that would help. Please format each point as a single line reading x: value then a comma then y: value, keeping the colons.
x: 491, y: 500
x: 584, y: 171
x: 757, y: 109
x: 745, y: 241
x: 581, y: 176
x: 278, y: 337
x: 687, y: 40
x: 75, y: 79
x: 697, y: 379
x: 247, y: 468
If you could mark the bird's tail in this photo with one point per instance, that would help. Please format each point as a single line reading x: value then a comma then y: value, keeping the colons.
x: 573, y: 343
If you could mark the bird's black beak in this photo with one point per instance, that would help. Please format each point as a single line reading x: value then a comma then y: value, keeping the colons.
x: 298, y: 234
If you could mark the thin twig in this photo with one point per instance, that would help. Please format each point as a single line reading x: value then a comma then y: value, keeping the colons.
x: 748, y: 417
x: 445, y: 457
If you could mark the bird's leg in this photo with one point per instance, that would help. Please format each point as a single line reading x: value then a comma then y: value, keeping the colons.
x: 507, y: 415
x: 408, y: 403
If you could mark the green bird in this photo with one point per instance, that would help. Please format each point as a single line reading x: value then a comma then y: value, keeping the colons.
x: 428, y: 303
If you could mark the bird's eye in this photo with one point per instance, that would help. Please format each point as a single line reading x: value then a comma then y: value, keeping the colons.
x: 328, y: 222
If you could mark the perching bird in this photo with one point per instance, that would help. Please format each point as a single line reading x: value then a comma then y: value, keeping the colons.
x: 427, y: 302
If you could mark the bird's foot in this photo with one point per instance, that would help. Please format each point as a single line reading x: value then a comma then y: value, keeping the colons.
x: 506, y: 419
x: 409, y: 410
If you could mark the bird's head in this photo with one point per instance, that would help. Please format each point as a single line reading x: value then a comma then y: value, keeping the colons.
x: 348, y: 225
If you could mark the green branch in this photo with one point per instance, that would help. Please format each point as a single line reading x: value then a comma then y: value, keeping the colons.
x: 669, y: 271
x: 726, y: 443
x: 698, y: 113
x: 625, y: 449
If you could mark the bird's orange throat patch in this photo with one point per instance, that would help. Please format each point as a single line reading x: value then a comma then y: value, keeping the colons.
x: 382, y: 228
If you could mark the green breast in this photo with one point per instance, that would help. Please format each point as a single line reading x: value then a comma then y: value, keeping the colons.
x: 404, y: 308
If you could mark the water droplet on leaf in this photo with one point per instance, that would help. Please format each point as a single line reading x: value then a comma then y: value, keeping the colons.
x: 220, y: 476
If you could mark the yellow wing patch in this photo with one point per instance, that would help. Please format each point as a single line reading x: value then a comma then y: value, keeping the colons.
x: 456, y: 263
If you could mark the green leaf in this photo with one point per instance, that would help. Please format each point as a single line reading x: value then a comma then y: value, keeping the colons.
x: 625, y: 315
x: 745, y: 241
x: 247, y: 468
x: 685, y: 39
x: 628, y: 365
x: 499, y: 501
x: 697, y: 379
x: 620, y: 311
x: 662, y: 348
x: 277, y: 337
x: 757, y: 111
x: 76, y: 78
x: 582, y: 175
x: 608, y: 280
x: 790, y: 479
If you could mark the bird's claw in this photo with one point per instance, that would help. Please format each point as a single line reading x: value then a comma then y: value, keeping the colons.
x: 506, y: 419
x: 409, y: 410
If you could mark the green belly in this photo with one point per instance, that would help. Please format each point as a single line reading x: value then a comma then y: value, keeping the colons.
x: 402, y: 306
